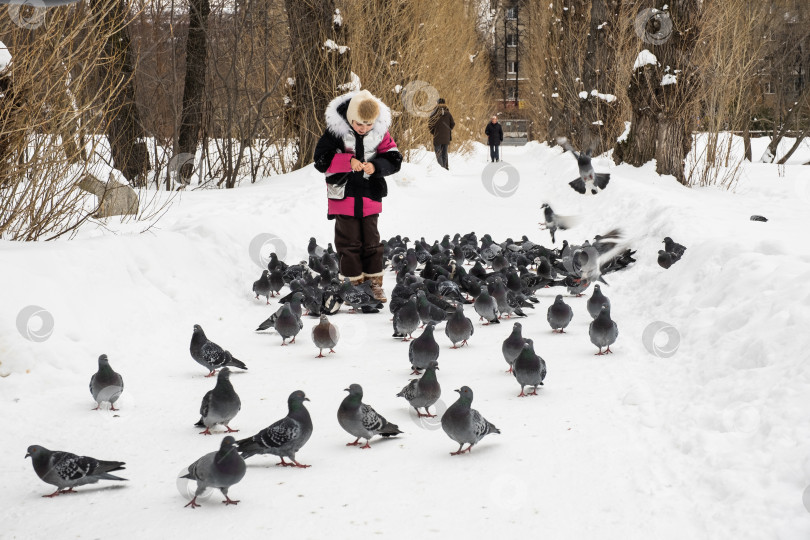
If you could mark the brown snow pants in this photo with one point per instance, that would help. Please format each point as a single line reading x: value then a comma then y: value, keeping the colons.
x: 357, y: 242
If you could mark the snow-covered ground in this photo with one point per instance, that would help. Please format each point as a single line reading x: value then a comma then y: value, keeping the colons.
x: 711, y: 442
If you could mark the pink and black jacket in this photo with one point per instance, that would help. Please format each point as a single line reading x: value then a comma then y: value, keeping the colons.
x: 355, y: 193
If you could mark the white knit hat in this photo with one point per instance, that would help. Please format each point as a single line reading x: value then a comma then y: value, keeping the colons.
x: 363, y: 108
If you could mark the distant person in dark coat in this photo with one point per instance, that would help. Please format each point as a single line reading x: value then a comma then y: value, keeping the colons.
x: 494, y: 134
x: 441, y: 124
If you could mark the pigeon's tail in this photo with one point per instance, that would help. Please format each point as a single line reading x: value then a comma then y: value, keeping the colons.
x: 269, y: 323
x: 519, y: 312
x: 390, y: 430
x: 237, y: 363
x: 110, y: 466
x: 200, y: 423
x: 108, y: 476
x: 247, y: 447
x: 601, y: 180
x: 578, y: 185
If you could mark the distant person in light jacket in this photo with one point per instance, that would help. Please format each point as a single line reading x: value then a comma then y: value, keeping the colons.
x: 494, y: 133
x: 441, y: 124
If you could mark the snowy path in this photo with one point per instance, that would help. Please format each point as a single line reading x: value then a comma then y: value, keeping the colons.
x: 713, y: 442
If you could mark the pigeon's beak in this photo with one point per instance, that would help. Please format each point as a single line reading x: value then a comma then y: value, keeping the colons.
x: 27, y: 455
x: 346, y: 390
x: 306, y: 399
x: 457, y: 390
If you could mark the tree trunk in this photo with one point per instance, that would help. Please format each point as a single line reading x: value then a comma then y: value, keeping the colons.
x: 747, y: 138
x: 673, y: 142
x: 799, y: 138
x: 639, y: 147
x: 124, y: 129
x: 194, y: 84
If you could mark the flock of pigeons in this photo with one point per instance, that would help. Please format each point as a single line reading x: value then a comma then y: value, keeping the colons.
x: 433, y: 285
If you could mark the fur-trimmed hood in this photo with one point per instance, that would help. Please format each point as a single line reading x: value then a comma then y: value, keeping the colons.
x: 337, y: 124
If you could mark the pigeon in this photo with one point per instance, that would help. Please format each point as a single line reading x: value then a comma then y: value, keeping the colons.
x: 512, y: 345
x: 276, y: 264
x: 359, y: 297
x: 529, y: 369
x: 486, y: 307
x: 325, y: 335
x: 677, y: 250
x: 553, y: 221
x: 285, y: 437
x: 106, y: 384
x: 665, y: 260
x: 603, y: 330
x: 428, y: 312
x: 423, y: 392
x: 314, y: 250
x: 220, y: 405
x: 423, y: 350
x: 287, y: 324
x: 588, y: 180
x: 459, y: 328
x: 262, y: 286
x: 276, y: 281
x: 507, y: 303
x: 295, y: 300
x: 756, y: 217
x: 210, y: 355
x: 559, y: 315
x: 464, y: 424
x: 66, y: 470
x: 360, y: 420
x: 596, y: 301
x: 219, y: 470
x: 406, y: 319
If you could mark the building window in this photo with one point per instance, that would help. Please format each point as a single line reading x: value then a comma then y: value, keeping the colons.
x: 511, y: 40
x: 511, y: 66
x: 510, y: 92
x: 511, y: 13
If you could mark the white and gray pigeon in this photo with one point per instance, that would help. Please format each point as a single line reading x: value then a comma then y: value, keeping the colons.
x: 220, y: 405
x: 603, y: 330
x: 459, y: 328
x: 285, y: 437
x: 553, y: 221
x: 486, y: 307
x: 512, y: 345
x: 210, y: 355
x: 219, y: 470
x: 424, y: 391
x: 66, y: 470
x: 261, y: 287
x: 588, y: 181
x: 325, y: 335
x: 464, y: 424
x: 596, y: 301
x: 529, y: 369
x: 106, y: 385
x: 287, y: 324
x: 406, y: 320
x: 423, y: 350
x: 360, y: 420
x: 559, y: 315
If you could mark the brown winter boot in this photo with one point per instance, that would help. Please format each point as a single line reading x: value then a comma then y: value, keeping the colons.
x: 357, y: 280
x: 376, y: 287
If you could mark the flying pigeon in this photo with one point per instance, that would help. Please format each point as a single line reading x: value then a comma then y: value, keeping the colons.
x: 423, y: 350
x: 219, y: 470
x: 553, y: 221
x: 220, y: 405
x: 423, y: 392
x: 596, y: 301
x: 285, y: 437
x: 262, y: 286
x: 210, y: 355
x: 603, y: 330
x: 512, y: 345
x: 325, y: 335
x: 360, y: 420
x: 106, y: 384
x: 529, y: 369
x: 464, y: 424
x: 588, y: 180
x: 559, y: 315
x: 66, y: 470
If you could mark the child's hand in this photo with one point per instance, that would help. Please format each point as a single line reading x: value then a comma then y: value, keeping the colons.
x: 357, y: 165
x: 368, y: 168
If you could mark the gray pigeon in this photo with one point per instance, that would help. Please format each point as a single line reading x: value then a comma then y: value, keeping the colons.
x: 287, y: 324
x: 529, y: 369
x: 458, y: 327
x: 423, y: 392
x: 423, y: 350
x: 296, y: 300
x: 210, y: 355
x: 665, y: 260
x: 360, y: 420
x: 106, y: 384
x: 588, y: 180
x: 428, y: 311
x: 677, y: 250
x: 66, y: 470
x: 603, y: 331
x: 276, y: 281
x: 506, y: 304
x: 464, y: 424
x: 553, y: 221
x: 285, y: 437
x: 596, y: 301
x: 220, y: 405
x: 406, y: 320
x: 261, y: 287
x: 486, y: 307
x: 325, y: 335
x: 512, y: 345
x: 559, y: 315
x: 219, y: 470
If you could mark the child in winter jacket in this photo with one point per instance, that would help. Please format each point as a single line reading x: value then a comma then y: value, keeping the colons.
x: 356, y: 152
